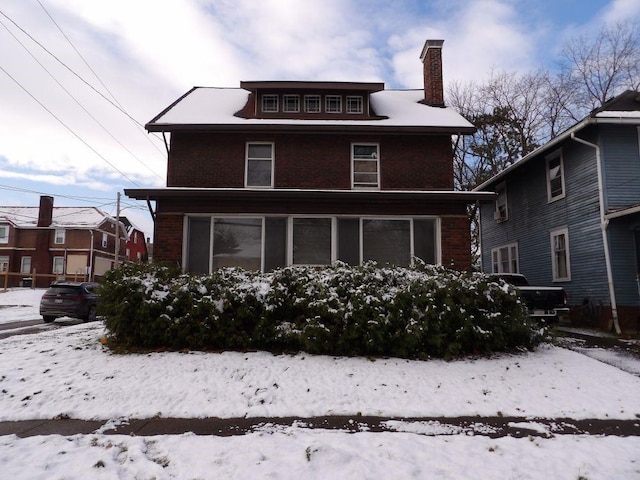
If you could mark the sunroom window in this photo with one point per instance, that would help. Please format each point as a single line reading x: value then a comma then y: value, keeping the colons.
x: 312, y: 239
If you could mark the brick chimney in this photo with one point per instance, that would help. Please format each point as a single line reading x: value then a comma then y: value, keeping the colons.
x: 45, y: 212
x: 431, y: 57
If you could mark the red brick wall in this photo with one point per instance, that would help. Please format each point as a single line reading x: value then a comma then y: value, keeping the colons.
x: 308, y: 161
x: 167, y: 244
x: 456, y: 238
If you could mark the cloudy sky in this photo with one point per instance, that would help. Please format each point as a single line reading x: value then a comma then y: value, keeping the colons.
x: 79, y: 79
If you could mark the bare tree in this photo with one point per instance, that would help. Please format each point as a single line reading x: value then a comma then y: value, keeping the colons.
x: 603, y: 65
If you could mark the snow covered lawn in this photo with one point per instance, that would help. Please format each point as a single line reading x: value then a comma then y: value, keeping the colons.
x: 68, y: 372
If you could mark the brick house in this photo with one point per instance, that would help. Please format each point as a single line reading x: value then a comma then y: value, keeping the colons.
x: 136, y: 247
x: 44, y: 243
x: 278, y: 173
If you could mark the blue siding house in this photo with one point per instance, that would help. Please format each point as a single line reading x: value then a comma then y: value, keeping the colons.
x: 568, y: 214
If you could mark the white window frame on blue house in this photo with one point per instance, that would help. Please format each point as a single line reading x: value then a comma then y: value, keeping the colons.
x: 505, y: 256
x: 555, y: 174
x: 560, y: 251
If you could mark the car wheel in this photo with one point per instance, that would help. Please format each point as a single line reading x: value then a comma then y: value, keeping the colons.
x: 48, y: 319
x: 91, y: 315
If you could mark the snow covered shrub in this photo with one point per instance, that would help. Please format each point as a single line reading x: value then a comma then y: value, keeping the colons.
x: 420, y: 312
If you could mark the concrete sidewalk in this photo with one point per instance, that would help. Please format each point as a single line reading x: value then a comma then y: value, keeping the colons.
x: 493, y: 427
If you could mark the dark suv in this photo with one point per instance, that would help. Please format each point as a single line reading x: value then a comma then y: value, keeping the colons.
x: 69, y: 299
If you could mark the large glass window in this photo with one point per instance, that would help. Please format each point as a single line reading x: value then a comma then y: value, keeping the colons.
x: 555, y: 177
x: 199, y: 244
x: 259, y: 170
x: 386, y: 241
x: 311, y: 241
x: 365, y: 161
x: 4, y: 233
x: 237, y: 242
x: 4, y: 263
x: 560, y: 255
x: 504, y: 259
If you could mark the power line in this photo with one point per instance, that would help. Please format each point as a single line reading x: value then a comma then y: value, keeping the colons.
x: 68, y: 128
x: 138, y: 126
x: 78, y: 102
x: 120, y: 109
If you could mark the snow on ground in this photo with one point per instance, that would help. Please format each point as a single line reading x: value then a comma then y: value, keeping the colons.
x: 68, y: 372
x: 18, y: 304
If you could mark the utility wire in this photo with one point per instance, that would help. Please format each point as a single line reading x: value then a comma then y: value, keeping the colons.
x: 68, y: 128
x: 138, y: 126
x: 76, y: 75
x: 77, y: 101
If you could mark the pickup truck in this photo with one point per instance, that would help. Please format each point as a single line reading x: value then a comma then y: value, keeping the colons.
x: 544, y: 303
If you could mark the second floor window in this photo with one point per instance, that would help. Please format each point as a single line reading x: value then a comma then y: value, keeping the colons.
x: 59, y: 236
x: 501, y: 212
x: 4, y: 233
x: 269, y: 103
x: 365, y: 163
x: 105, y: 240
x: 291, y: 103
x: 259, y: 165
x: 555, y: 178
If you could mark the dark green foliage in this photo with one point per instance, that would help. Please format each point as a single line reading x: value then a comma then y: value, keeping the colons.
x: 421, y: 312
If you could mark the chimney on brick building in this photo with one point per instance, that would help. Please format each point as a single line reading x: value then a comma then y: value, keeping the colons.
x: 45, y: 212
x: 431, y: 57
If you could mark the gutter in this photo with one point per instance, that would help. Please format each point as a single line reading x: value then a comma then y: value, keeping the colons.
x: 604, y: 223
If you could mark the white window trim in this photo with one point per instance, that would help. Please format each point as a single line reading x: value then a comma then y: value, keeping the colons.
x: 333, y: 97
x: 377, y: 160
x: 554, y: 267
x: 359, y: 101
x: 498, y: 215
x: 284, y: 103
x: 63, y: 236
x: 262, y: 103
x: 5, y: 238
x: 306, y: 100
x: 498, y: 250
x: 549, y: 158
x: 53, y: 268
x: 246, y: 164
x: 22, y: 262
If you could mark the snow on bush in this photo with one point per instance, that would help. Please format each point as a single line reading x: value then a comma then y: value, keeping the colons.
x: 419, y: 312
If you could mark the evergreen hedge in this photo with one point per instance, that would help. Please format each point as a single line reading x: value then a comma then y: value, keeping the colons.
x: 419, y: 312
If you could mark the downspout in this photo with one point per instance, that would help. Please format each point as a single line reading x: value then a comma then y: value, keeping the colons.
x: 604, y: 223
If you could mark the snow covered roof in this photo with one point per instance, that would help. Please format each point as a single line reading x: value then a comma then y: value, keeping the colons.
x: 209, y: 107
x: 63, y: 217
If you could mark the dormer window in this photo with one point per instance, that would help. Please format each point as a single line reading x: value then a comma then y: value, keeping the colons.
x: 269, y: 103
x: 291, y: 103
x: 354, y: 104
x: 312, y: 103
x: 333, y: 104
